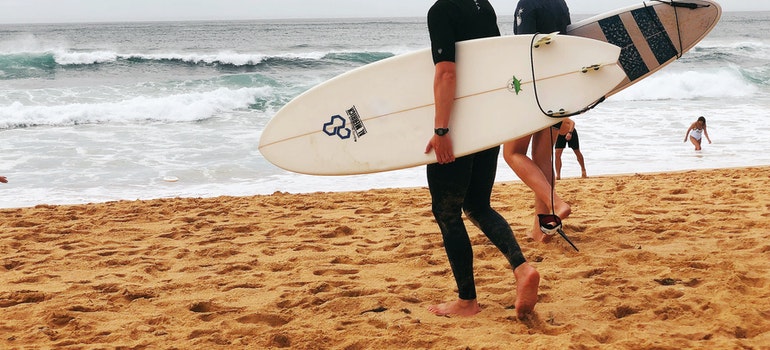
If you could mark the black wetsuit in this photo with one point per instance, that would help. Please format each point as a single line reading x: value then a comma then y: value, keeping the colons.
x: 541, y: 16
x: 466, y: 184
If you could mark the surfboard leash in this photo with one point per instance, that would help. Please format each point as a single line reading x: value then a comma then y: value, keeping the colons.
x: 678, y: 30
x: 550, y: 224
x: 689, y: 5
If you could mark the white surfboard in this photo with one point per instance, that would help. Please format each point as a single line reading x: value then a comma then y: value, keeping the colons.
x: 651, y: 34
x: 379, y: 117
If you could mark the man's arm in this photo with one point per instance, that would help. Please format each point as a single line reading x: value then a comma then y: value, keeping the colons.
x: 567, y: 125
x: 444, y: 89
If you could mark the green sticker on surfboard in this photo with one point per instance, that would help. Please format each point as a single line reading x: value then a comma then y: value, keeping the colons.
x: 515, y: 85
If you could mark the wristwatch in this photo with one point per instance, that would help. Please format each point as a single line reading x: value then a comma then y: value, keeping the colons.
x: 441, y: 131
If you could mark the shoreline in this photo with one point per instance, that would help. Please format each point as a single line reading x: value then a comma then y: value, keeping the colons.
x: 506, y: 179
x: 663, y: 257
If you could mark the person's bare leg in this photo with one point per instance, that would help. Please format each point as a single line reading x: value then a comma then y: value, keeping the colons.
x: 695, y: 142
x: 527, y: 284
x: 581, y: 161
x: 515, y: 154
x: 535, y: 233
x: 542, y: 152
x: 458, y: 307
x: 559, y: 151
x: 542, y: 148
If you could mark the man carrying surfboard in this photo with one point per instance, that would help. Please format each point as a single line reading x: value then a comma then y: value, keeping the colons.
x: 465, y: 183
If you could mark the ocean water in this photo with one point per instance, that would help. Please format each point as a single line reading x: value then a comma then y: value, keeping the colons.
x: 126, y: 111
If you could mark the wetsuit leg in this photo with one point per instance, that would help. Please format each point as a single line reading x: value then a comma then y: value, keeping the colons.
x: 448, y: 184
x: 478, y: 209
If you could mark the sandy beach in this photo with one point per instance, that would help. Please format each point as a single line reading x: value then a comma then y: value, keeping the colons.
x: 667, y: 261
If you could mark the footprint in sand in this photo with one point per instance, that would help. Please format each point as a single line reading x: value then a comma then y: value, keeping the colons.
x: 268, y: 319
x: 9, y: 299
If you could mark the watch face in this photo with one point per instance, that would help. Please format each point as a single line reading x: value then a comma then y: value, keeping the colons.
x: 441, y: 131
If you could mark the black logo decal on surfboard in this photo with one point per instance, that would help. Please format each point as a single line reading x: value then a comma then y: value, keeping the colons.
x: 356, y: 123
x: 336, y: 126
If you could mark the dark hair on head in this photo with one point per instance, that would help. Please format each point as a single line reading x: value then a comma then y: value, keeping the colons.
x: 702, y: 119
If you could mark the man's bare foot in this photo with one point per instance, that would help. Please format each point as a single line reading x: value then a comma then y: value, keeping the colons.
x: 458, y: 307
x: 527, y: 284
x: 583, y: 174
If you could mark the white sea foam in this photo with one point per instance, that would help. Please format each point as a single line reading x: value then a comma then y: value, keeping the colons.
x: 63, y: 57
x: 684, y: 85
x: 175, y: 108
x: 225, y: 57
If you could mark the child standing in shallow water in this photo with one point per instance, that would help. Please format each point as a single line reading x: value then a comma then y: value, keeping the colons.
x: 696, y: 132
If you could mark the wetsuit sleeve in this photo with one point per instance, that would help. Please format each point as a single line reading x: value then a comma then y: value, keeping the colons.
x: 442, y: 35
x: 525, y: 19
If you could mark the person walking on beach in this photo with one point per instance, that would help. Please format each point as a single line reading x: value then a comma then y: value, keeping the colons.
x: 465, y: 183
x: 696, y: 132
x: 568, y: 135
x: 538, y: 16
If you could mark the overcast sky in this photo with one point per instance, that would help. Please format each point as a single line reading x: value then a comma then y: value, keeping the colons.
x: 55, y: 11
